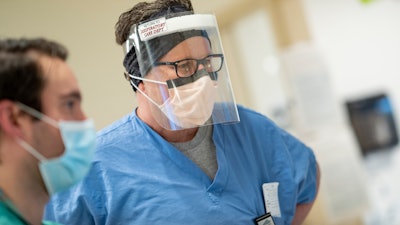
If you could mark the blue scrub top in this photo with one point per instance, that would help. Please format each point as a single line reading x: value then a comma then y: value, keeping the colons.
x: 139, y: 178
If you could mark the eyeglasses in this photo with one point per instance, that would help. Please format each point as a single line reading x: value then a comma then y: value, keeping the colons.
x: 187, y: 67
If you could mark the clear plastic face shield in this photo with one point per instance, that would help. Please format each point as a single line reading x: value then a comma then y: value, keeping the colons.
x: 183, y: 71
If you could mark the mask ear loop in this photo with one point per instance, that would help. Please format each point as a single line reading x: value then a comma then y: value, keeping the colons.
x: 142, y: 79
x: 40, y: 116
x: 31, y: 150
x: 137, y: 88
x: 37, y: 114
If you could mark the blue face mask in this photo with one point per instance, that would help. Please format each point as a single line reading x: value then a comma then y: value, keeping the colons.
x: 79, y: 139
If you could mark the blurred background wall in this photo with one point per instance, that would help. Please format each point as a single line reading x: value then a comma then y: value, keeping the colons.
x: 296, y: 61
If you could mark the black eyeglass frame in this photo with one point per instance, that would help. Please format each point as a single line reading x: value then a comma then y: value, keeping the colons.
x: 198, y: 61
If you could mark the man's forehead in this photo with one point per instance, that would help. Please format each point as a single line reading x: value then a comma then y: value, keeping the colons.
x: 59, y: 78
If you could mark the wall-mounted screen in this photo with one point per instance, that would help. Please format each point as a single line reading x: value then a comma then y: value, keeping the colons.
x: 373, y: 123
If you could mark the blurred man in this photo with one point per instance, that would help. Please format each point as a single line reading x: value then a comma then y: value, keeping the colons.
x: 46, y: 141
x: 182, y: 156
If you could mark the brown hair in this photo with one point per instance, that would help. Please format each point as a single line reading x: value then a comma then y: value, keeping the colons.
x: 21, y: 74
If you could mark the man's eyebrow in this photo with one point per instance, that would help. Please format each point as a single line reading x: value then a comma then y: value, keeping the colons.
x: 74, y: 94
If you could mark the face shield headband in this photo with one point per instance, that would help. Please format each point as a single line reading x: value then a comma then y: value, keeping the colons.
x: 198, y: 69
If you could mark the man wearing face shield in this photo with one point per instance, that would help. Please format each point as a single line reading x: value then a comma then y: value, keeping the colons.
x: 183, y: 156
x: 46, y: 141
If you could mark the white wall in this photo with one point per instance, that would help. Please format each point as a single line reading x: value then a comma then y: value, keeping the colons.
x: 257, y: 55
x: 360, y: 43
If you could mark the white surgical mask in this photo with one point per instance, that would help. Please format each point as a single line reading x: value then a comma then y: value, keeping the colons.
x: 189, y: 105
x: 79, y: 139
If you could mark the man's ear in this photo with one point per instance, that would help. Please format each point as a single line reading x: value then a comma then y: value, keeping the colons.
x: 10, y: 118
x: 141, y: 86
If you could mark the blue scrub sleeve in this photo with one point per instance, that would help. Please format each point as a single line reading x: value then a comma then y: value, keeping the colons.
x: 305, y: 169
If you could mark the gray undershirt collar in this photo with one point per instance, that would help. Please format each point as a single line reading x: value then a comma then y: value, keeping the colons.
x: 201, y: 150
